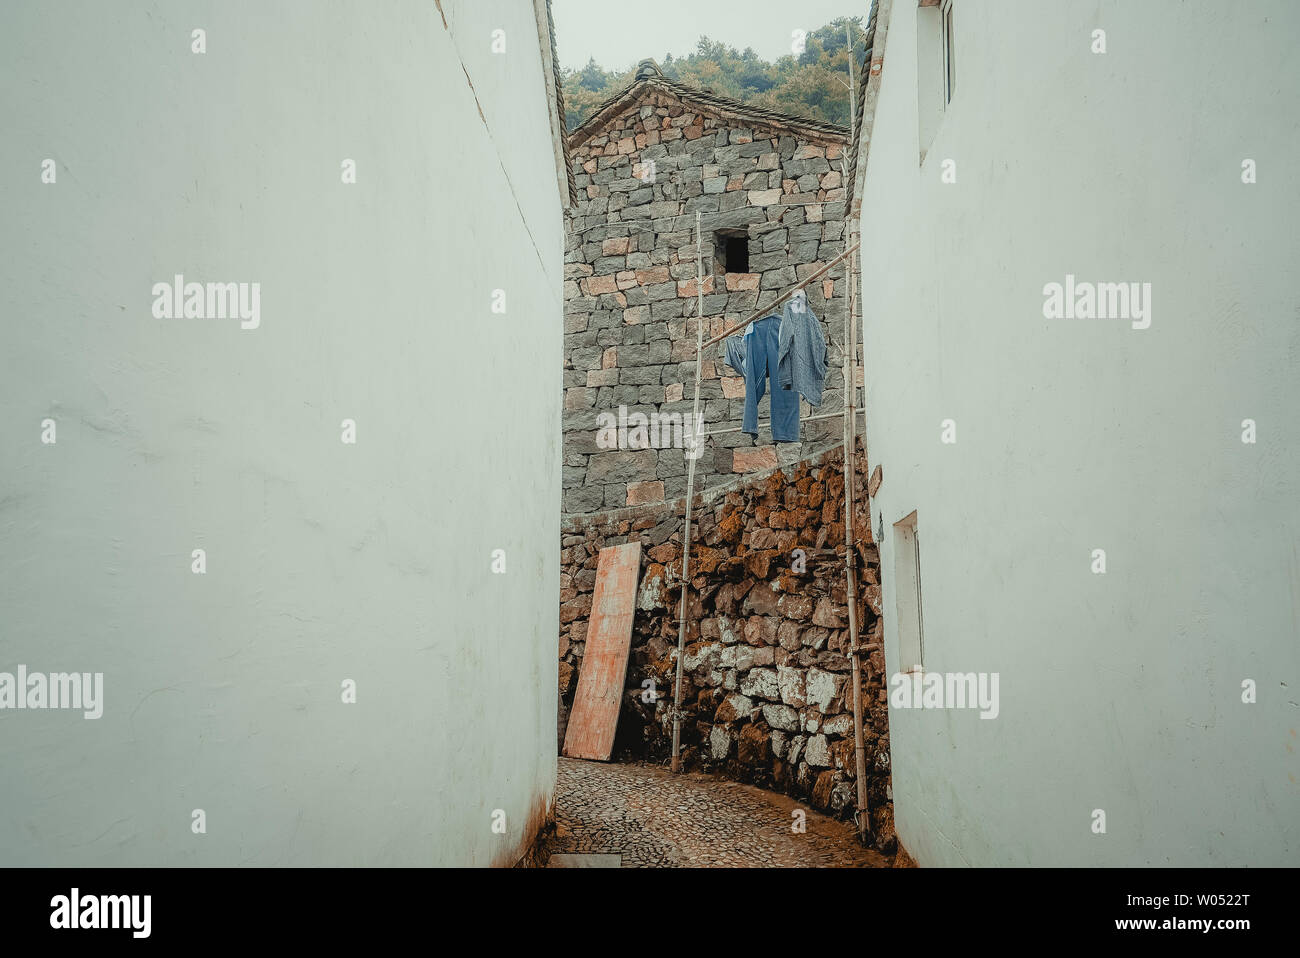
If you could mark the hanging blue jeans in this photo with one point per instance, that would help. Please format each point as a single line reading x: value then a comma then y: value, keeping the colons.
x: 761, y: 354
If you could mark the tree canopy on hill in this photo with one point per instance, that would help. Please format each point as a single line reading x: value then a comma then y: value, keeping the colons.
x: 812, y: 84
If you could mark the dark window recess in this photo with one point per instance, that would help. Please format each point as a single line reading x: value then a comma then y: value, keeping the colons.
x: 731, y: 251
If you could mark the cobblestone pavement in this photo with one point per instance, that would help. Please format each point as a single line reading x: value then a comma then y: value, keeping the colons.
x: 655, y: 819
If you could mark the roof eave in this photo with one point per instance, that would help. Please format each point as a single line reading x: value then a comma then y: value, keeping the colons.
x: 869, y: 79
x: 711, y: 103
x: 555, y: 98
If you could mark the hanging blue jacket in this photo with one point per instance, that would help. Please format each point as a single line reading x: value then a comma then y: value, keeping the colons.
x: 802, y: 351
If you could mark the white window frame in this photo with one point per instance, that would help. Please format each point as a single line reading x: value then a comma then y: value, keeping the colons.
x: 907, y: 595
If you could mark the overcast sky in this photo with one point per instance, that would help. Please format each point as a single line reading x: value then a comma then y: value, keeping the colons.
x: 618, y: 33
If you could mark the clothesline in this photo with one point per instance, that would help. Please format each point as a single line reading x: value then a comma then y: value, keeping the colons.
x: 767, y: 310
x: 828, y: 415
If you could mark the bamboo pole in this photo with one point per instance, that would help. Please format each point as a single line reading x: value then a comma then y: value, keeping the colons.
x: 690, y: 494
x: 850, y: 553
x: 863, y: 813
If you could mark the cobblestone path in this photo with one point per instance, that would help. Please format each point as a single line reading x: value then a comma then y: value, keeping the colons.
x: 651, y: 818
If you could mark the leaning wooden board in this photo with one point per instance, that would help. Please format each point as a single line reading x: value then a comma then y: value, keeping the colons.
x: 604, y: 663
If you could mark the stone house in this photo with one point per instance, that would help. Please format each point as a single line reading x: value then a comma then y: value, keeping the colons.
x: 770, y: 190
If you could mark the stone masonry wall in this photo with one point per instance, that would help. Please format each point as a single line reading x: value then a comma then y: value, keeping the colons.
x: 766, y: 693
x: 630, y: 289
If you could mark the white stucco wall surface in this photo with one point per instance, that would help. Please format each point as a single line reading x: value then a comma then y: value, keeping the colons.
x: 326, y: 561
x: 1123, y: 691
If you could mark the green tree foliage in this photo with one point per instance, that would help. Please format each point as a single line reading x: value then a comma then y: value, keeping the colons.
x: 813, y: 83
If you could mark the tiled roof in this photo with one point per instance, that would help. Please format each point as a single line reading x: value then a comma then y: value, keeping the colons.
x: 559, y: 101
x: 859, y: 108
x: 723, y: 107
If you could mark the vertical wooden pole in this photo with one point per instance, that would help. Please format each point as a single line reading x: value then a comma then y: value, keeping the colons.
x: 850, y: 550
x: 693, y: 451
x: 862, y: 816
